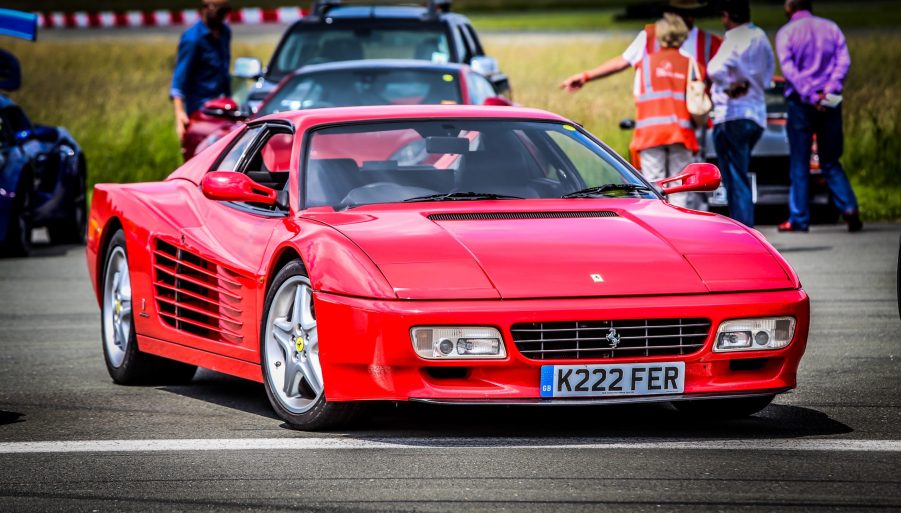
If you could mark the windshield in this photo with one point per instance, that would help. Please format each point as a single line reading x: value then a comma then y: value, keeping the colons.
x: 356, y: 87
x: 454, y: 160
x: 314, y: 45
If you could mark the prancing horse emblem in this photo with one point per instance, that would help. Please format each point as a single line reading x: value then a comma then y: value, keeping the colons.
x: 597, y: 278
x: 613, y: 337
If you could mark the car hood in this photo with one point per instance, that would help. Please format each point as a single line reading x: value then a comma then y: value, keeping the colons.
x: 565, y: 248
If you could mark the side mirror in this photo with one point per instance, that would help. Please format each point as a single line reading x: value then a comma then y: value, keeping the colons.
x: 484, y: 65
x: 222, y: 108
x: 697, y: 177
x: 232, y: 186
x: 497, y: 101
x: 248, y: 67
x: 627, y: 124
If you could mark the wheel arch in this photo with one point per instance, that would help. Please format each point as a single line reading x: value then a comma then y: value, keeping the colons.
x: 113, y: 224
x: 281, y: 257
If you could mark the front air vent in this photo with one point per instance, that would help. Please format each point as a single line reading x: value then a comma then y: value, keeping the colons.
x: 631, y: 338
x: 195, y: 295
x: 491, y: 216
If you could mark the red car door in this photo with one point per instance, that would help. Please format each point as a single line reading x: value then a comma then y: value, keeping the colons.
x: 205, y: 273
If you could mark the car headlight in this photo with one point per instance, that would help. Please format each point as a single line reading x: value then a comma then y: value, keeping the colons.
x: 754, y: 334
x: 457, y: 343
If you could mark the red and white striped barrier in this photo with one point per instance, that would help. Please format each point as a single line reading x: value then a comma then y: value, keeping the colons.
x: 128, y: 19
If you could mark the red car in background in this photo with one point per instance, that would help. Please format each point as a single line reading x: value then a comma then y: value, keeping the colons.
x: 445, y: 254
x: 348, y: 84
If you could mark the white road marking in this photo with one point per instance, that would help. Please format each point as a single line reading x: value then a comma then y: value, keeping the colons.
x: 314, y: 443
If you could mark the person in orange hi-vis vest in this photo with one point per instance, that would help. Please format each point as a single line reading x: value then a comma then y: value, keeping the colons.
x: 664, y: 139
x: 699, y: 45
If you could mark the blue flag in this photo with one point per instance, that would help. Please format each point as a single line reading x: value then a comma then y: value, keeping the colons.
x: 23, y: 25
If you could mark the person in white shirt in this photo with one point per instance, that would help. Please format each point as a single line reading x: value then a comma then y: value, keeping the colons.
x: 739, y: 72
x: 699, y: 45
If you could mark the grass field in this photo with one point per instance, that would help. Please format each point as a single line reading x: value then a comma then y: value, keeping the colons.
x: 111, y: 94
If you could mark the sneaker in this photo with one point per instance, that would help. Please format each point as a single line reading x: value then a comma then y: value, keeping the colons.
x: 854, y: 222
x: 789, y: 227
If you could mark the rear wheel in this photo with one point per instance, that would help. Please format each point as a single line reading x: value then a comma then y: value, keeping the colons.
x: 73, y: 228
x: 724, y: 409
x: 289, y: 350
x: 18, y: 230
x: 126, y: 364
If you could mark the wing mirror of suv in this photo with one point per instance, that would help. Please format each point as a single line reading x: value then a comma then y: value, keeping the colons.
x: 484, y: 65
x: 697, y: 177
x: 248, y: 67
x: 233, y: 186
x: 223, y: 108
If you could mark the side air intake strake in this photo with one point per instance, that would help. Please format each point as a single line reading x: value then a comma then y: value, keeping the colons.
x: 489, y: 216
x: 195, y: 295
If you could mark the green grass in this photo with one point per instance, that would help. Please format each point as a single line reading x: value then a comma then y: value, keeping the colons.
x: 864, y: 15
x: 112, y: 95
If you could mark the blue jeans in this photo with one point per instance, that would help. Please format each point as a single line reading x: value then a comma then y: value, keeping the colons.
x: 803, y: 122
x: 734, y: 141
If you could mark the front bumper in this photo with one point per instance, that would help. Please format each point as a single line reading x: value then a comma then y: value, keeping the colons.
x: 366, y: 352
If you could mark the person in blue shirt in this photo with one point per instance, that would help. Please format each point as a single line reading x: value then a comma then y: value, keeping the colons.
x: 201, y: 68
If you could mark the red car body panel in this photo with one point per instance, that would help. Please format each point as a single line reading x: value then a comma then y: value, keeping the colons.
x: 378, y: 270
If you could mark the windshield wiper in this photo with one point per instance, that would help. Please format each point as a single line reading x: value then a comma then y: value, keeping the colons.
x: 602, y: 190
x: 458, y: 196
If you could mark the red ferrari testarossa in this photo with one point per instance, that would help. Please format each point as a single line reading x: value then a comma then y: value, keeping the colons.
x: 443, y: 254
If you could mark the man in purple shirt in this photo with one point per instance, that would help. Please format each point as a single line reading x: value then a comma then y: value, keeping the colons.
x: 814, y: 60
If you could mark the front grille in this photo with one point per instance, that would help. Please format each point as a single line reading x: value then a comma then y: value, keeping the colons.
x: 633, y: 338
x: 195, y: 295
x: 491, y: 216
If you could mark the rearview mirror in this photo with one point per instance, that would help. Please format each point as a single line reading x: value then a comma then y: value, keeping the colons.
x: 697, y: 177
x: 248, y: 67
x: 484, y: 65
x: 233, y: 186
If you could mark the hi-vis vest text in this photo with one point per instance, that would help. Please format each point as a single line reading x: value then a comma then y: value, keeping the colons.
x: 706, y: 48
x: 662, y: 116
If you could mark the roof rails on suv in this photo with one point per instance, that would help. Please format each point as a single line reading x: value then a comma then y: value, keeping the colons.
x: 434, y: 7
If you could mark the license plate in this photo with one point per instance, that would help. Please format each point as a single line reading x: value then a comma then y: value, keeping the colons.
x: 718, y: 197
x: 608, y: 380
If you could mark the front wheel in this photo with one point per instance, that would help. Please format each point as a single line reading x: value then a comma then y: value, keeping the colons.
x: 289, y: 350
x: 18, y: 230
x: 724, y: 409
x: 126, y: 364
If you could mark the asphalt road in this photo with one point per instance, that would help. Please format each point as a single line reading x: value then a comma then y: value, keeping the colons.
x: 832, y: 445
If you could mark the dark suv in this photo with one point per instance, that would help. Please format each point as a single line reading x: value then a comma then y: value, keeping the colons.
x: 334, y: 31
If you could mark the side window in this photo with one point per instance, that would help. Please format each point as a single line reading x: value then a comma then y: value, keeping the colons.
x: 233, y: 157
x: 467, y: 45
x: 269, y: 164
x: 479, y: 88
x: 477, y: 45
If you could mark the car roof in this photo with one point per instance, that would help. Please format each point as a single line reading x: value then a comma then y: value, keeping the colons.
x: 370, y: 12
x: 303, y: 120
x: 399, y: 64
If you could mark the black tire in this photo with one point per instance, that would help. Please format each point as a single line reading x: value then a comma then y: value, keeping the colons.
x: 723, y: 409
x: 136, y: 367
x: 73, y: 228
x: 18, y: 231
x: 323, y: 414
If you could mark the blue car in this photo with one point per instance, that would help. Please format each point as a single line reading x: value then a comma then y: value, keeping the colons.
x: 42, y: 182
x: 42, y: 169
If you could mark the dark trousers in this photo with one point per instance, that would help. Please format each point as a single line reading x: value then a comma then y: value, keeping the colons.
x: 734, y: 141
x: 803, y: 122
